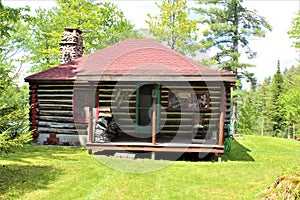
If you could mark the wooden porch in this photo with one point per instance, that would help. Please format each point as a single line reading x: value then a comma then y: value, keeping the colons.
x: 161, y: 144
x: 158, y: 147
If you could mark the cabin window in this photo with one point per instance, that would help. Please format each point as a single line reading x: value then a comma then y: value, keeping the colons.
x: 188, y: 100
x: 83, y: 99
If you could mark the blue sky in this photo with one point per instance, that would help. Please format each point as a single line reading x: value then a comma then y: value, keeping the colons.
x: 276, y: 45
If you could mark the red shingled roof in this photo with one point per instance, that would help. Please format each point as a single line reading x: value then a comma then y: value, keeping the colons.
x: 130, y: 57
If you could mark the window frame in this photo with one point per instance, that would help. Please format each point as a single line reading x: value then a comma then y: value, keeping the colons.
x: 88, y: 103
x: 196, y: 93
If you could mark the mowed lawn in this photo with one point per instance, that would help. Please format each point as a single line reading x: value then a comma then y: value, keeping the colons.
x: 40, y: 172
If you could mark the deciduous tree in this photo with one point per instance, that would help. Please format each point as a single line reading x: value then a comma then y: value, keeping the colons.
x: 100, y: 22
x: 13, y: 99
x: 295, y: 30
x: 173, y: 27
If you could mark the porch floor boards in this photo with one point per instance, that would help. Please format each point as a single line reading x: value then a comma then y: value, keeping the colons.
x: 158, y: 147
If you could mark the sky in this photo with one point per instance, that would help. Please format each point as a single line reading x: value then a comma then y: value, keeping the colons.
x: 275, y: 46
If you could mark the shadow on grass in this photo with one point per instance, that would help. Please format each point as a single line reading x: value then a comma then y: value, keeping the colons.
x: 30, y: 168
x: 16, y: 180
x: 167, y: 156
x: 238, y: 153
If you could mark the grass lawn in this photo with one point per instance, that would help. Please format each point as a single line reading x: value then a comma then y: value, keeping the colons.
x: 40, y: 172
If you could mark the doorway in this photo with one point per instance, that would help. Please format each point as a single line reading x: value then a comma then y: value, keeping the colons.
x: 145, y: 93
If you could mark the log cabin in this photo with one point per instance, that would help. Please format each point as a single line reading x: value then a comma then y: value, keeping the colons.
x: 159, y: 99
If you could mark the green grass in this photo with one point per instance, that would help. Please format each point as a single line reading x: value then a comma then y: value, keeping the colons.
x: 40, y: 172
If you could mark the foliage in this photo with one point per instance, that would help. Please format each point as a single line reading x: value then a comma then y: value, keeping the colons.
x: 248, y: 112
x: 13, y: 100
x: 13, y: 113
x: 230, y: 25
x: 40, y: 172
x: 273, y: 108
x: 173, y: 27
x: 290, y: 98
x: 295, y: 31
x: 8, y: 17
x: 278, y: 100
x: 102, y: 23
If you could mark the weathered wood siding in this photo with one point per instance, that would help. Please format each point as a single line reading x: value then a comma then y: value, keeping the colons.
x: 122, y: 99
x: 54, y: 109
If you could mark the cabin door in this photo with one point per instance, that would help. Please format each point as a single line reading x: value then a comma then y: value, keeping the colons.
x: 144, y: 100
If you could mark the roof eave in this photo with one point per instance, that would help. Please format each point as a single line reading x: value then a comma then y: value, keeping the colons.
x: 156, y: 77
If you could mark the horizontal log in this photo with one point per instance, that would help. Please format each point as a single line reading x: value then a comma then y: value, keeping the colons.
x: 55, y: 107
x: 56, y: 119
x: 32, y: 127
x: 32, y: 86
x: 55, y: 91
x: 55, y: 113
x: 112, y: 90
x: 56, y: 125
x: 56, y: 101
x: 34, y: 111
x: 186, y: 85
x: 55, y: 96
x: 55, y: 130
x: 33, y: 117
x: 34, y: 122
x: 71, y: 85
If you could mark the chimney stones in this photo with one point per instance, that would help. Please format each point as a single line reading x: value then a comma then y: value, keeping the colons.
x: 71, y: 46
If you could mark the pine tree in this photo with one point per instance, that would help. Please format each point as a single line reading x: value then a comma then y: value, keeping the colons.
x: 275, y: 106
x: 263, y: 94
x: 290, y: 98
x: 248, y: 112
x: 230, y: 25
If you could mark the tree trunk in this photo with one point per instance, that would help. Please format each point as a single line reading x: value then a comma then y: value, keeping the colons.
x: 233, y: 120
x: 262, y: 126
x: 235, y: 58
x: 293, y: 131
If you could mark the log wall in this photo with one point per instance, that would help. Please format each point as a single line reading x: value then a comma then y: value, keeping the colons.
x: 53, y: 109
x: 122, y: 100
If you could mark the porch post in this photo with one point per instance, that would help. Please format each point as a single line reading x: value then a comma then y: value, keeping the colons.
x: 154, y: 117
x: 90, y: 126
x: 222, y: 114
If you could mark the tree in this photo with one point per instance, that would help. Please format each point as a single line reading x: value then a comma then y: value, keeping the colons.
x: 275, y: 106
x: 13, y: 105
x: 230, y: 25
x: 290, y: 98
x: 173, y: 26
x: 100, y: 22
x: 248, y: 112
x: 295, y: 31
x: 263, y: 94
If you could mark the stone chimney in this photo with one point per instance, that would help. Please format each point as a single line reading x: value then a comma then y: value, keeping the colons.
x: 71, y: 46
